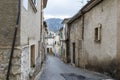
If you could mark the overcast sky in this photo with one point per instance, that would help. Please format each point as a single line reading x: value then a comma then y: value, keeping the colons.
x: 62, y: 8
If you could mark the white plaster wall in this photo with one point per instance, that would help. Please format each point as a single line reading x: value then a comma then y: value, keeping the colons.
x: 30, y: 25
x: 57, y: 38
x: 50, y: 41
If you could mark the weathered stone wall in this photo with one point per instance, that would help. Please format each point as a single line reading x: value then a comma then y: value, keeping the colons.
x: 8, y: 15
x: 76, y: 37
x: 64, y: 54
x: 101, y: 55
x: 27, y: 71
x: 72, y: 39
x: 118, y: 39
x: 65, y: 40
x: 20, y: 69
x: 25, y: 63
x: 4, y: 61
x: 28, y: 34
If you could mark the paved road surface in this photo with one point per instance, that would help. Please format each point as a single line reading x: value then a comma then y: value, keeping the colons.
x: 55, y: 69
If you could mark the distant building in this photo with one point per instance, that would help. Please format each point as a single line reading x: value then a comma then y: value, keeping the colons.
x: 44, y: 43
x: 26, y: 61
x: 64, y: 40
x: 57, y: 45
x: 50, y: 42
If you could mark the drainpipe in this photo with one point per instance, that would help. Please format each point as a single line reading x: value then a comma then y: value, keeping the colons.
x: 14, y: 40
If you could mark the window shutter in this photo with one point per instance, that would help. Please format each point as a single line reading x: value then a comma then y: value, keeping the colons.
x: 96, y: 34
x: 99, y: 32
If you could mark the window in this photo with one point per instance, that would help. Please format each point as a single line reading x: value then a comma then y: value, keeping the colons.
x: 98, y: 33
x: 35, y: 2
x: 25, y: 4
x: 55, y: 42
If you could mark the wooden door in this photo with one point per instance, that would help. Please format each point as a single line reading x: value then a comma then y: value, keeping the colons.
x: 73, y: 52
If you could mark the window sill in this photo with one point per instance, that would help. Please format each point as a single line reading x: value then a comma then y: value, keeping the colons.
x: 33, y: 6
x: 98, y: 41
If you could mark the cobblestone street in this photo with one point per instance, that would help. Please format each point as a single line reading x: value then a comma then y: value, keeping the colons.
x: 55, y: 69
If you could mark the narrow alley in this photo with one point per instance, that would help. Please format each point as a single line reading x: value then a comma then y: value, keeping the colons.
x: 55, y: 69
x: 60, y: 40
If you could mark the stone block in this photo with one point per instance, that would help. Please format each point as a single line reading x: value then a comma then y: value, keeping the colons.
x: 2, y: 76
x: 1, y: 57
x: 15, y: 70
x: 17, y: 54
x: 1, y: 52
x: 16, y: 61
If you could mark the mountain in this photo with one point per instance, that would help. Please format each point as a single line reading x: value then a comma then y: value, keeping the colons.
x: 54, y: 24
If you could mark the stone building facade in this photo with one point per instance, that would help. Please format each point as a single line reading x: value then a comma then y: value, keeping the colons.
x: 65, y: 40
x: 61, y: 50
x: 94, y: 37
x: 50, y: 42
x: 76, y: 43
x: 26, y: 58
x: 44, y: 41
x: 57, y: 45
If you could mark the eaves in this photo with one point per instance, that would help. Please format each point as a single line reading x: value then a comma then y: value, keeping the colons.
x: 90, y: 5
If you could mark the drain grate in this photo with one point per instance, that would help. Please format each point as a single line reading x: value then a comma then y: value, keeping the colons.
x: 72, y: 76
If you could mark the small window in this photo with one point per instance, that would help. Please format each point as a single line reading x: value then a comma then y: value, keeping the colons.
x: 98, y: 33
x: 34, y: 4
x: 35, y: 1
x: 25, y: 4
x: 55, y: 42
